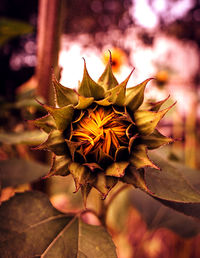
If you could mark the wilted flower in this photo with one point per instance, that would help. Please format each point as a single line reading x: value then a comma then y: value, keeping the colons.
x: 100, y: 134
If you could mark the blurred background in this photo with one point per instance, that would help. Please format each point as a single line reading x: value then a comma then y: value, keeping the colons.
x: 159, y: 38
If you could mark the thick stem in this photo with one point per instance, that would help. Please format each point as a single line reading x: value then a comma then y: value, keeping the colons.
x: 49, y: 29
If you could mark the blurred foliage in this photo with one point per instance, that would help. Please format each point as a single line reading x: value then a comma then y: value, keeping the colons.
x: 10, y: 28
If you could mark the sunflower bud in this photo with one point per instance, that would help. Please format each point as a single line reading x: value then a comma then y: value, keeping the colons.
x: 100, y: 134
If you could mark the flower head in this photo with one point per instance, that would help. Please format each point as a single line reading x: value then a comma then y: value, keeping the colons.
x: 101, y: 133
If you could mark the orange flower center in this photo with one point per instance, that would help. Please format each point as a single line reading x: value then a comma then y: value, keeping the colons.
x: 101, y: 128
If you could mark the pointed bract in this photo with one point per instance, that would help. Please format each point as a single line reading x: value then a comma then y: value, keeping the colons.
x: 83, y: 102
x: 89, y: 88
x: 155, y: 106
x: 139, y: 158
x: 59, y: 166
x: 107, y: 79
x: 155, y: 140
x: 117, y: 94
x: 62, y: 116
x: 117, y: 169
x: 135, y: 95
x: 55, y: 143
x: 147, y: 121
x: 80, y: 174
x: 64, y: 96
x: 46, y: 123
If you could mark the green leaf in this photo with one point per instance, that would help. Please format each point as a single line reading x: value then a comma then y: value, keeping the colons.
x: 89, y: 88
x: 157, y: 215
x: 62, y: 116
x: 55, y: 143
x: 175, y: 186
x: 135, y: 95
x: 107, y: 79
x: 46, y: 123
x: 117, y: 169
x: 147, y: 121
x: 27, y: 137
x: 64, y: 96
x: 15, y: 172
x: 155, y: 140
x: 139, y: 158
x: 10, y: 28
x: 117, y: 94
x: 28, y: 220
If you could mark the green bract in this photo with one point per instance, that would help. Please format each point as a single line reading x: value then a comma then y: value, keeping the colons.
x: 100, y: 134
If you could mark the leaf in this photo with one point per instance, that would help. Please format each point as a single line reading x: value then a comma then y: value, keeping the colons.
x: 64, y: 96
x: 135, y: 95
x: 173, y: 188
x: 44, y: 231
x: 15, y: 172
x: 10, y: 28
x: 89, y: 88
x: 147, y: 121
x: 62, y: 116
x: 27, y: 137
x: 107, y: 79
x: 157, y: 215
x: 155, y: 140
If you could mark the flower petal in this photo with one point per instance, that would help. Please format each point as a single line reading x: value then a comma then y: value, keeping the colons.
x: 64, y: 96
x: 139, y: 158
x: 135, y: 95
x: 89, y: 88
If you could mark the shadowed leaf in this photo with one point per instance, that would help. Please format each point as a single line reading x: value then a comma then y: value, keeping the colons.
x: 157, y: 215
x: 173, y: 187
x: 14, y: 172
x: 43, y: 231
